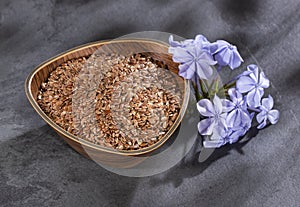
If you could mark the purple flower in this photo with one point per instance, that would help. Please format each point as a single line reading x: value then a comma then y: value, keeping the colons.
x: 217, y: 139
x: 241, y: 130
x: 267, y: 113
x: 183, y: 44
x: 193, y: 57
x: 220, y: 138
x: 226, y: 54
x: 253, y: 83
x: 228, y: 135
x: 225, y: 120
x: 216, y: 121
x: 205, y: 44
x: 237, y: 108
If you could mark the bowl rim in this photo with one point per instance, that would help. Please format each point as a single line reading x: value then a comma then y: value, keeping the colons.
x: 86, y: 143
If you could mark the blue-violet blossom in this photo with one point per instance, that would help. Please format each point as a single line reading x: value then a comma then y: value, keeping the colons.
x: 226, y: 120
x: 237, y: 108
x: 267, y: 113
x: 183, y: 44
x: 226, y: 54
x: 254, y: 83
x: 228, y: 135
x: 222, y: 137
x: 216, y: 120
x: 193, y: 56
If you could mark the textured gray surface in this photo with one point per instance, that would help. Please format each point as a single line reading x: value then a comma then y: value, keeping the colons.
x: 38, y: 169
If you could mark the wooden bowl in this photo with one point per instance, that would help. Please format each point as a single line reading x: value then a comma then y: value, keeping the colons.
x: 100, y: 154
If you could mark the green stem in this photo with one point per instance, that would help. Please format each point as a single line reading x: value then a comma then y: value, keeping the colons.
x: 217, y: 84
x: 198, y: 96
x: 203, y: 88
x: 227, y: 86
x: 206, y: 86
x: 214, y: 87
x: 222, y: 92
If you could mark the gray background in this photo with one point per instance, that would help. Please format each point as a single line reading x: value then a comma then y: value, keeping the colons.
x: 38, y: 169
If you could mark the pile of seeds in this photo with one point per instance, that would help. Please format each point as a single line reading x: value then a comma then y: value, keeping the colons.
x: 55, y: 96
x: 126, y: 103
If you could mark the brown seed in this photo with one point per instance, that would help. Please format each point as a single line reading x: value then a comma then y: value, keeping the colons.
x: 92, y: 118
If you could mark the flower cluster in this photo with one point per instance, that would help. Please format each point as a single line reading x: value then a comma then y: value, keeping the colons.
x: 196, y: 56
x: 223, y: 120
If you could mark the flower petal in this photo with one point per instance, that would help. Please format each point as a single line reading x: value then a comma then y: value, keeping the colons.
x: 236, y: 59
x: 200, y: 38
x: 218, y: 46
x: 206, y: 126
x: 213, y: 143
x: 245, y: 84
x: 262, y: 125
x: 235, y: 95
x: 202, y: 42
x: 216, y: 139
x: 181, y: 55
x: 204, y: 70
x: 186, y: 71
x: 233, y: 118
x: 222, y: 122
x: 227, y: 105
x: 251, y: 116
x: 237, y: 118
x: 217, y: 104
x: 173, y: 43
x: 260, y: 91
x: 254, y: 69
x: 232, y: 94
x: 238, y: 132
x: 263, y: 80
x: 234, y: 136
x: 218, y: 134
x: 183, y: 43
x: 223, y: 56
x: 206, y: 57
x: 206, y: 108
x: 273, y: 116
x: 253, y: 98
x: 260, y: 117
x: 268, y: 103
x: 246, y: 118
x: 206, y: 46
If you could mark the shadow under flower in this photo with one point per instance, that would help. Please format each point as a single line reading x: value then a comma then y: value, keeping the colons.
x: 190, y: 165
